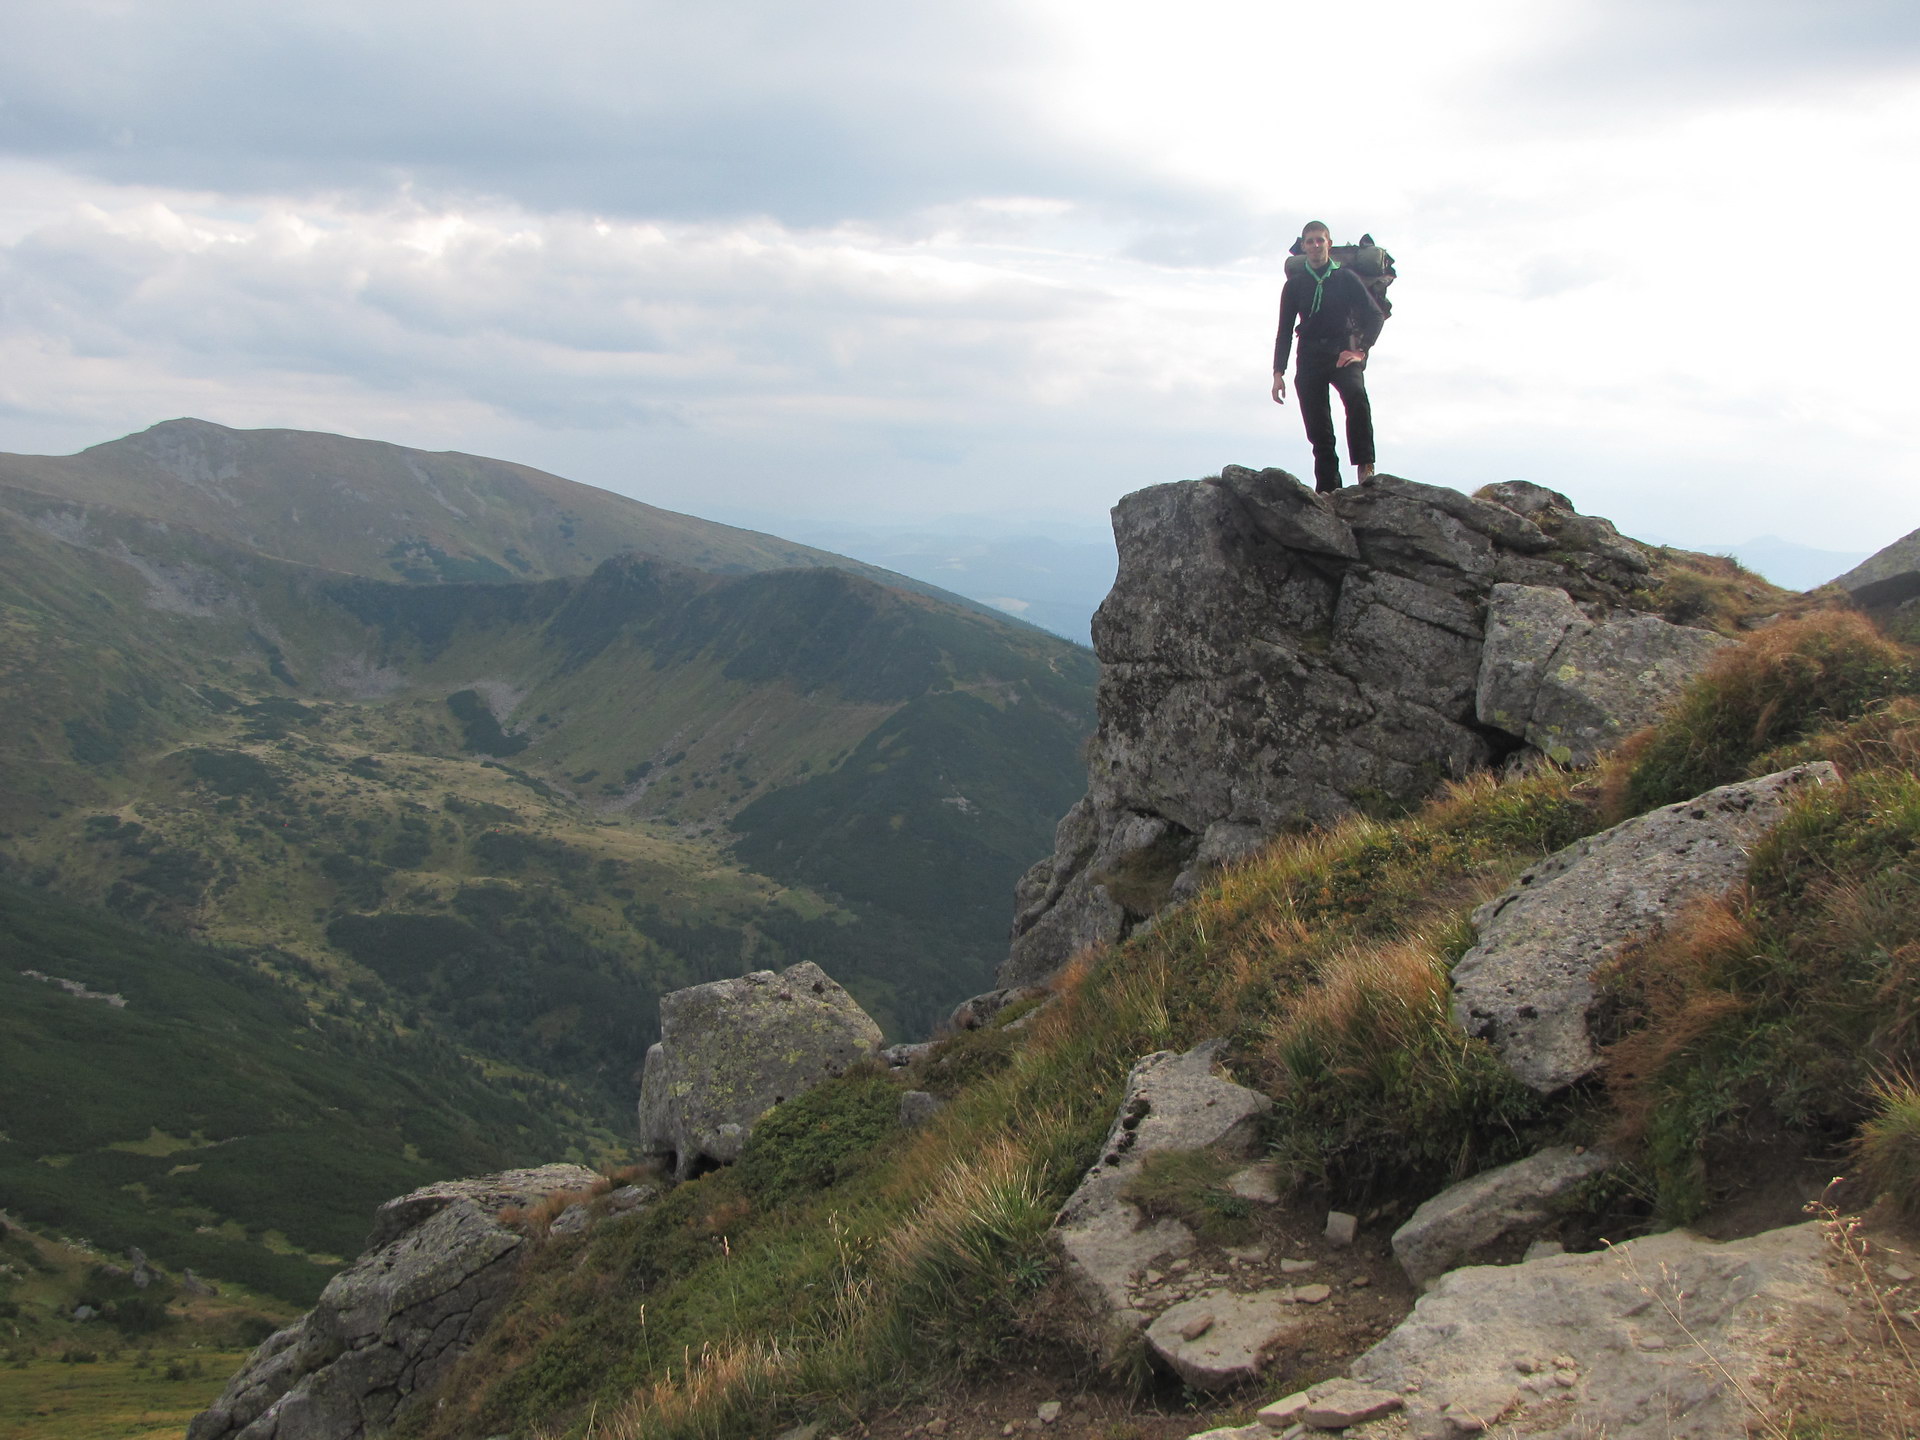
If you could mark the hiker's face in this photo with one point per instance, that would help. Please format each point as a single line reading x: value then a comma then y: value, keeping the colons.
x: 1316, y: 245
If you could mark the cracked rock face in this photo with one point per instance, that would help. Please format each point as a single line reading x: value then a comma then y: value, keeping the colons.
x: 1272, y: 658
x: 392, y: 1323
x: 1526, y: 985
x: 731, y: 1050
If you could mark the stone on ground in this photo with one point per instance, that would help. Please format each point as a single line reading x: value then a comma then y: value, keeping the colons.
x: 1457, y: 1226
x: 731, y: 1050
x: 392, y: 1323
x: 1336, y: 1404
x: 1240, y: 1336
x: 1571, y: 686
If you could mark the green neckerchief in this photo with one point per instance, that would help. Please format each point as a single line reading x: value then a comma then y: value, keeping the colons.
x: 1319, y: 283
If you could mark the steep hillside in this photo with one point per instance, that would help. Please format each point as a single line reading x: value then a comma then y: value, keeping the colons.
x: 485, y: 823
x: 260, y: 751
x: 852, y: 1272
x: 159, y: 1094
x: 903, y: 1265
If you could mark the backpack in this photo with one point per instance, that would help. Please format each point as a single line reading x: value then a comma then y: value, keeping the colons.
x: 1372, y: 264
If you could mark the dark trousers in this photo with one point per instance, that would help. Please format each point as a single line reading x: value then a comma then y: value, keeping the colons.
x: 1313, y: 376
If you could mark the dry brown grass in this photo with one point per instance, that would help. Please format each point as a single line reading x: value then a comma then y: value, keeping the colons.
x: 536, y: 1219
x: 1664, y: 998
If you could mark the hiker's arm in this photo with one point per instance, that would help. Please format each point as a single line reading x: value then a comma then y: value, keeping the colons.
x: 1279, y: 387
x: 1283, y: 341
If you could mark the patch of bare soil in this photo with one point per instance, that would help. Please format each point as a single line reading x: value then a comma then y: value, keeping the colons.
x: 1859, y: 1376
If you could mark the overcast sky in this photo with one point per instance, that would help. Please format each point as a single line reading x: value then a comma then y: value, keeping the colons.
x: 871, y: 259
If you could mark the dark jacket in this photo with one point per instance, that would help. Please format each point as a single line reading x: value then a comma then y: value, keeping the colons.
x: 1348, y: 318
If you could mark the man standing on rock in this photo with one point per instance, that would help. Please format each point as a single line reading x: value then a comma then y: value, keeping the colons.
x: 1338, y: 323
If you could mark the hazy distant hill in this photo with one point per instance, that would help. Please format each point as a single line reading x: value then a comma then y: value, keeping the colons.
x: 388, y: 512
x: 500, y: 815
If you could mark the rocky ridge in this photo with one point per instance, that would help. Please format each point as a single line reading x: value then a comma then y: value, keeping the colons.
x: 1273, y: 659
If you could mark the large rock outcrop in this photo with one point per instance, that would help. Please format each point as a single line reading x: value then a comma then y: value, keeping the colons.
x: 1273, y: 658
x: 439, y: 1264
x: 731, y: 1050
x: 1526, y: 984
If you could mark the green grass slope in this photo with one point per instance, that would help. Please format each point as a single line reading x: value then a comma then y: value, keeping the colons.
x: 497, y: 821
x: 845, y: 1265
x: 215, y: 1118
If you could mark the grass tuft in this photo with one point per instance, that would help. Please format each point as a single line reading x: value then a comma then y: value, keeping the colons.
x: 1888, y: 1146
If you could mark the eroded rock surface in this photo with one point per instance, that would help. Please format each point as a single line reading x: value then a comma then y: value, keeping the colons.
x: 1173, y: 1102
x: 1508, y: 1203
x: 731, y: 1050
x: 1526, y: 985
x: 1582, y: 1345
x: 1271, y: 658
x: 393, y: 1322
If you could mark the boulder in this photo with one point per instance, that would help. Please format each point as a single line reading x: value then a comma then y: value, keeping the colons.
x: 1590, y: 1344
x: 1220, y: 1339
x: 1572, y: 687
x: 1506, y: 1204
x: 731, y: 1050
x: 1272, y: 658
x: 1173, y: 1102
x: 1887, y: 577
x: 1526, y: 984
x: 388, y: 1326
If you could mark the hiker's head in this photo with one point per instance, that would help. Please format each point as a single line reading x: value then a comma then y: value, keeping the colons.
x: 1316, y: 242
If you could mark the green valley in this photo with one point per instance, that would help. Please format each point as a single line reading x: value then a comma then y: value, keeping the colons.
x: 456, y: 830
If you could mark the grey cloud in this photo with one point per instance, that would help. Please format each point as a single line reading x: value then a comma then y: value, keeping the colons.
x: 1681, y: 54
x: 810, y: 114
x: 554, y: 324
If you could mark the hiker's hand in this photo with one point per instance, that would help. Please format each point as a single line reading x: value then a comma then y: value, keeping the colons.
x: 1279, y: 387
x: 1350, y: 357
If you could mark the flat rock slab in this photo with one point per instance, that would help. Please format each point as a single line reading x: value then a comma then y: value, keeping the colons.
x: 1218, y: 1340
x: 1583, y: 1345
x: 1173, y: 1101
x: 1456, y: 1226
x: 1336, y: 1404
x: 1526, y: 985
